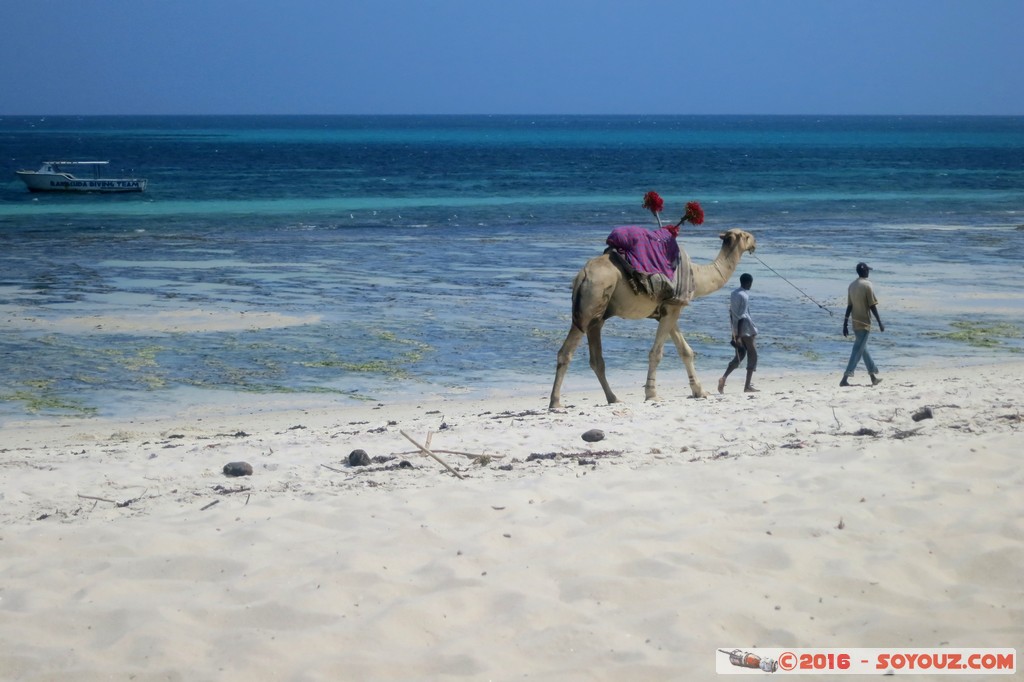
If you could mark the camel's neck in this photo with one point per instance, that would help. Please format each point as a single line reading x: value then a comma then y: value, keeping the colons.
x: 710, y: 277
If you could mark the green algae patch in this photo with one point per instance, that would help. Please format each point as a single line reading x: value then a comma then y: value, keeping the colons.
x: 980, y: 334
x: 702, y: 338
x: 37, y: 396
x: 406, y: 352
x: 386, y: 368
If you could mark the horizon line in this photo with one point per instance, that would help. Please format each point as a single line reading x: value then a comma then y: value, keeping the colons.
x: 526, y: 114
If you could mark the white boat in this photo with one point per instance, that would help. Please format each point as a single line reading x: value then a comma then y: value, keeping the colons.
x: 77, y: 176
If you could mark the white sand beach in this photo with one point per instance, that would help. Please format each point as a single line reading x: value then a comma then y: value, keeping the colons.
x: 802, y: 516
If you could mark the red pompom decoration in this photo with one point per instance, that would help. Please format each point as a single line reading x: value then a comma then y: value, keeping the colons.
x: 654, y: 203
x: 694, y: 213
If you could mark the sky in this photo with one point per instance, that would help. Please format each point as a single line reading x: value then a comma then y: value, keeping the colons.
x: 751, y: 57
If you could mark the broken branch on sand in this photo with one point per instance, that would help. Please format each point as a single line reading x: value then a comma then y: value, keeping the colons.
x: 426, y: 451
x: 228, y: 491
x: 132, y: 500
x: 125, y: 503
x: 99, y: 499
x: 454, y: 452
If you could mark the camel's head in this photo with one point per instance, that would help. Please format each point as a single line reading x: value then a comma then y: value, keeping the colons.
x: 737, y: 239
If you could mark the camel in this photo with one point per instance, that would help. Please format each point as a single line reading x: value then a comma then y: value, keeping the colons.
x: 600, y: 291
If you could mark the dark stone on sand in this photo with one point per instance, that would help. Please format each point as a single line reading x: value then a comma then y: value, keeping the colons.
x: 593, y: 435
x: 923, y: 413
x: 238, y: 469
x: 358, y: 458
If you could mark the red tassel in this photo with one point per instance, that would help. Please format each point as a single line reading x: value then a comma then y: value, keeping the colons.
x: 653, y: 203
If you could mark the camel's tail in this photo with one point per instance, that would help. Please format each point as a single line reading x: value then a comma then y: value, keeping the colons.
x: 576, y: 298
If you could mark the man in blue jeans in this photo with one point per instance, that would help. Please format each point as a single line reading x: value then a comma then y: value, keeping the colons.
x: 861, y: 302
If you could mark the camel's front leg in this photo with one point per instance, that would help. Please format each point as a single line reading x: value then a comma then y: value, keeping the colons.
x: 564, y: 358
x: 686, y: 353
x: 657, y: 352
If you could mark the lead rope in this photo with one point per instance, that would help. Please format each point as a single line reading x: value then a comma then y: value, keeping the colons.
x: 793, y: 285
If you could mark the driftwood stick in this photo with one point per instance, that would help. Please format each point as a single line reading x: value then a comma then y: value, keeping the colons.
x: 210, y: 505
x: 455, y: 452
x: 469, y: 454
x: 125, y: 503
x: 332, y: 469
x: 221, y: 490
x: 92, y: 497
x: 425, y: 451
x: 133, y: 500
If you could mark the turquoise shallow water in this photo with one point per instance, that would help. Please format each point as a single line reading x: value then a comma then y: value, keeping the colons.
x: 368, y: 257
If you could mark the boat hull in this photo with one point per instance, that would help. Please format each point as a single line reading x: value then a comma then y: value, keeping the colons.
x: 59, y: 182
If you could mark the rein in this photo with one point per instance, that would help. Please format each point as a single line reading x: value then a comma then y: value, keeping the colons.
x: 725, y: 277
x: 792, y: 285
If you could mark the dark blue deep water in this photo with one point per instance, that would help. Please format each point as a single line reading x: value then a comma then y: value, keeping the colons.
x: 370, y: 257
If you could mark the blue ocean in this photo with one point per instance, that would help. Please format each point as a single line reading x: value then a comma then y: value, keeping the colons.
x: 380, y: 257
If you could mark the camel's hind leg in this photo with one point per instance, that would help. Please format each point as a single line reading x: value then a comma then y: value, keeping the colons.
x: 564, y: 358
x: 591, y: 291
x: 597, y: 358
x: 686, y: 353
x: 565, y: 354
